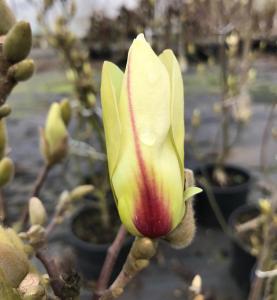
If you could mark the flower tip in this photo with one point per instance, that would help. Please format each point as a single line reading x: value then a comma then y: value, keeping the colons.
x: 108, y: 66
x: 140, y: 37
x: 168, y: 51
x: 106, y: 63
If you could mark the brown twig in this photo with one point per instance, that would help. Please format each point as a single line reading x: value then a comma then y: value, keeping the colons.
x: 142, y: 251
x: 56, y: 282
x: 40, y: 180
x: 6, y: 85
x: 250, y: 225
x: 109, y: 263
x: 50, y: 227
x: 35, y: 191
x: 265, y: 137
x: 2, y: 208
x: 257, y: 285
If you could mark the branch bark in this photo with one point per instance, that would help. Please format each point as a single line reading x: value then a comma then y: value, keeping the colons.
x: 56, y: 282
x: 142, y: 251
x: 40, y: 180
x: 109, y: 263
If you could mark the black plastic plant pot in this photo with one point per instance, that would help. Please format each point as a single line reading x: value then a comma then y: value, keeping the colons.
x: 90, y: 256
x: 242, y: 261
x: 227, y: 198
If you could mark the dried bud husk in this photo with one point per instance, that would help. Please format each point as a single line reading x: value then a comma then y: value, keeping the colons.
x: 13, y: 260
x: 54, y: 138
x: 65, y: 111
x: 7, y: 19
x: 184, y: 233
x: 37, y: 212
x: 18, y: 42
x: 3, y: 138
x: 80, y: 191
x: 31, y: 287
x: 6, y: 171
x: 22, y: 70
x: 5, y: 110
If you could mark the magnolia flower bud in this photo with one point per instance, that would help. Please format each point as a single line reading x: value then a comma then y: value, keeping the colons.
x: 144, y: 248
x: 196, y: 118
x: 91, y: 100
x: 265, y: 206
x: 22, y: 70
x: 7, y: 19
x: 81, y: 191
x: 232, y: 39
x: 54, y: 138
x: 3, y: 138
x: 37, y: 212
x: 18, y: 42
x: 13, y: 260
x: 65, y: 111
x: 87, y: 69
x: 143, y: 116
x: 71, y: 75
x: 5, y: 110
x: 6, y: 171
x: 184, y: 233
x: 36, y: 235
x: 196, y: 284
x: 232, y: 82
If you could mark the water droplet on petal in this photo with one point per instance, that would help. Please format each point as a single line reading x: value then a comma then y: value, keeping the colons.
x: 148, y: 138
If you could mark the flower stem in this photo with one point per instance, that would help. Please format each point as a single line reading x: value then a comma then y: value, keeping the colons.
x: 109, y: 263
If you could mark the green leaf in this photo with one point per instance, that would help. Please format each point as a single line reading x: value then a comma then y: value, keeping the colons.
x: 191, y: 191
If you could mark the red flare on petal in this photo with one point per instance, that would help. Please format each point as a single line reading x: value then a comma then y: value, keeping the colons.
x: 152, y: 218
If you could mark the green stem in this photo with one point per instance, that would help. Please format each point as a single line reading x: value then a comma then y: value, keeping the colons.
x: 215, y: 207
x: 225, y: 120
x: 103, y: 206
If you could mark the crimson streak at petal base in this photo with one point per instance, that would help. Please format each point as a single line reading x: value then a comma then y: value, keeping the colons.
x: 151, y: 213
x: 152, y: 217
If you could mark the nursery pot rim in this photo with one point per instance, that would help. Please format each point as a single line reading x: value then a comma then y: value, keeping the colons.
x: 232, y: 219
x: 226, y: 189
x: 90, y: 246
